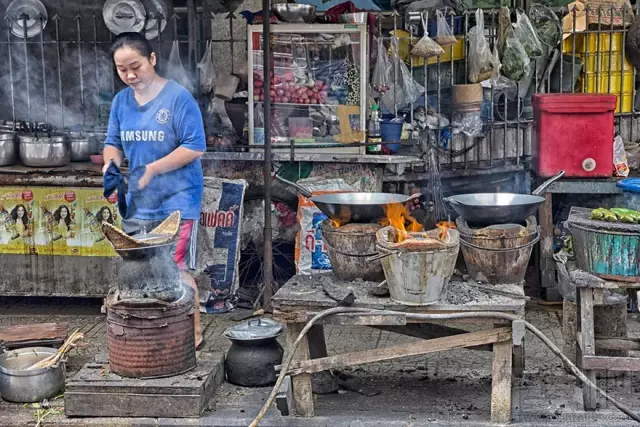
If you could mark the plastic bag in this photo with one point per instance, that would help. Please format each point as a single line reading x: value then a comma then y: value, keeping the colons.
x: 426, y: 47
x: 381, y: 78
x: 207, y: 72
x: 405, y: 90
x: 515, y: 61
x: 444, y: 36
x: 620, y: 164
x: 175, y: 69
x: 500, y: 83
x: 527, y: 35
x: 546, y: 23
x: 480, y: 59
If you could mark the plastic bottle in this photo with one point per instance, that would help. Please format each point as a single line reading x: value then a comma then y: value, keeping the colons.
x: 374, y: 132
x: 620, y: 164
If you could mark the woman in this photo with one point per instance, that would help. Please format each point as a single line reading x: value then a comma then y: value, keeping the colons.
x: 62, y: 220
x: 104, y: 215
x: 157, y: 125
x: 19, y: 216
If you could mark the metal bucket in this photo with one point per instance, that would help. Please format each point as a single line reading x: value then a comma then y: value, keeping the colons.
x: 418, y: 277
x: 349, y: 247
x: 501, y: 258
x: 153, y: 340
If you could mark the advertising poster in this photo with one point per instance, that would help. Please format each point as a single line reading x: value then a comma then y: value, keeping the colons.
x: 94, y: 210
x: 17, y: 225
x: 56, y: 224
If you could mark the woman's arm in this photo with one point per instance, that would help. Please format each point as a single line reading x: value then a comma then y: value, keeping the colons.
x: 111, y: 153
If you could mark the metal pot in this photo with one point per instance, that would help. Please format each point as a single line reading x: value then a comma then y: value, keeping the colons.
x: 254, y: 353
x: 22, y: 386
x: 8, y: 148
x: 81, y: 148
x: 44, y: 150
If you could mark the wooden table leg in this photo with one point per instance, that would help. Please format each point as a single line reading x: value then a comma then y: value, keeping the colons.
x: 518, y: 360
x: 586, y: 346
x: 322, y: 382
x: 547, y: 264
x: 301, y: 384
x: 501, y: 382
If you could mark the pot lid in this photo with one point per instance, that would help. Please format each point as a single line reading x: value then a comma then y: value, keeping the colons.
x: 36, y: 14
x: 254, y: 329
x: 41, y: 137
x: 124, y: 16
x: 157, y: 8
x: 7, y: 136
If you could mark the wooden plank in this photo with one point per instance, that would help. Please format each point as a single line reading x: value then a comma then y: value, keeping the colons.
x: 33, y: 334
x: 501, y: 381
x: 366, y: 319
x: 630, y: 344
x: 284, y: 398
x: 302, y: 392
x: 547, y: 263
x: 607, y: 363
x: 427, y: 331
x: 587, y: 347
x: 489, y: 336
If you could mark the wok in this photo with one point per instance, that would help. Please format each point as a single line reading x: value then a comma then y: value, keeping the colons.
x: 499, y: 208
x: 358, y: 207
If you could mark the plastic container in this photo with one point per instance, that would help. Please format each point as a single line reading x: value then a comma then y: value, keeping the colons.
x: 606, y: 42
x: 300, y: 127
x: 574, y: 133
x: 391, y: 132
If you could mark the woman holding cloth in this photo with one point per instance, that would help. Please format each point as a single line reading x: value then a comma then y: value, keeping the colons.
x: 157, y: 125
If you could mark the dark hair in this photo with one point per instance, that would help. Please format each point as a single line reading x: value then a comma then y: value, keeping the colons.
x: 14, y: 214
x: 135, y: 41
x: 100, y: 215
x: 57, y: 215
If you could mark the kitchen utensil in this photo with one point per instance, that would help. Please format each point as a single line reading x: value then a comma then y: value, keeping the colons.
x: 358, y: 207
x: 81, y: 149
x: 124, y: 16
x: 156, y: 7
x: 20, y: 385
x: 8, y: 148
x: 294, y: 13
x: 44, y: 150
x: 34, y: 10
x: 254, y: 353
x: 499, y: 208
x: 359, y: 18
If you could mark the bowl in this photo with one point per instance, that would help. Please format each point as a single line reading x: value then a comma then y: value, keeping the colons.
x: 354, y: 18
x: 44, y: 150
x: 97, y: 159
x: 295, y: 13
x: 22, y: 386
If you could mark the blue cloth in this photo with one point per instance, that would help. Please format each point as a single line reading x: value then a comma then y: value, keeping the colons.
x: 115, y: 180
x: 150, y: 132
x: 630, y: 184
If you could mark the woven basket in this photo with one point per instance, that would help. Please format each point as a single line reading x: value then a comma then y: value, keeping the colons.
x: 121, y: 240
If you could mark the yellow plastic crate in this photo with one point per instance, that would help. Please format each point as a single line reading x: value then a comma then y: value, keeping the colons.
x: 457, y: 51
x: 613, y: 41
x: 599, y: 61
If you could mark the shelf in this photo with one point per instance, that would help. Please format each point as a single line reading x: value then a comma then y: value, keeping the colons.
x: 285, y: 104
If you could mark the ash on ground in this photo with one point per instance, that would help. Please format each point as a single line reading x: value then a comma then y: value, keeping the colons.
x: 460, y: 293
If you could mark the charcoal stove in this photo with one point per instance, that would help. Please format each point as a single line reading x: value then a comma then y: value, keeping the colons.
x: 606, y: 249
x: 498, y: 254
x: 150, y: 330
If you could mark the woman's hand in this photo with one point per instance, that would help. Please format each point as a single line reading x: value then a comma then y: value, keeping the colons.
x: 146, y: 178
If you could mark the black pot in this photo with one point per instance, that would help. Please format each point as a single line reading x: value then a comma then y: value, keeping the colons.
x: 254, y: 353
x: 252, y: 363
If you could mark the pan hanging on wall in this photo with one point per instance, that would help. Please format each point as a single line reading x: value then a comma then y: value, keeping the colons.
x: 122, y: 16
x: 34, y: 10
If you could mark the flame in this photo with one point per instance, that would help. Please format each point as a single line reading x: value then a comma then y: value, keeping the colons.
x: 335, y: 223
x: 399, y: 218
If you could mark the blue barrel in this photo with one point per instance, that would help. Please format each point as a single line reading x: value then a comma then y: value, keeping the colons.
x: 391, y: 132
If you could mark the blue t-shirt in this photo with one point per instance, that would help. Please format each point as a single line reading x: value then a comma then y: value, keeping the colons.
x: 150, y: 132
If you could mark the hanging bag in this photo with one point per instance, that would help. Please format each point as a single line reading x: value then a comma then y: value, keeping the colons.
x: 444, y: 36
x: 207, y: 72
x: 480, y: 58
x: 175, y: 69
x: 426, y: 47
x: 381, y: 79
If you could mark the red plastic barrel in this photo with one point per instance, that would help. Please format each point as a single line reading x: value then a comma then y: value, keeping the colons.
x: 573, y: 132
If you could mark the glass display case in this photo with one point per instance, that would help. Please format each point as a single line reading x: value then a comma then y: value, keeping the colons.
x: 318, y: 91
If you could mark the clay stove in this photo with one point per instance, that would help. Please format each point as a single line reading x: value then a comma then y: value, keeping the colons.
x: 150, y: 313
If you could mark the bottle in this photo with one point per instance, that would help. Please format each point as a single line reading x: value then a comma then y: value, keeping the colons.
x: 374, y: 133
x: 9, y: 223
x: 94, y: 226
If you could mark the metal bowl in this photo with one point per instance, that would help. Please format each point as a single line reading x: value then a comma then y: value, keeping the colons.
x: 295, y: 13
x: 20, y: 385
x: 359, y: 18
x: 82, y: 147
x: 44, y: 150
x: 8, y: 148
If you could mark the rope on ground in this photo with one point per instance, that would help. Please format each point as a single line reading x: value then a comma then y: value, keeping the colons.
x: 449, y: 316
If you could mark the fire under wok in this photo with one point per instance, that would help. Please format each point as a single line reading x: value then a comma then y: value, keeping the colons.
x: 499, y: 208
x: 358, y: 207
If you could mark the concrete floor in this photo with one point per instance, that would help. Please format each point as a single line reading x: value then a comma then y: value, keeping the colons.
x: 443, y: 389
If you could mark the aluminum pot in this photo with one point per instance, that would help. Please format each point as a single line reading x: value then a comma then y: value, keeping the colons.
x: 44, y: 150
x: 22, y: 386
x: 81, y: 149
x: 8, y: 148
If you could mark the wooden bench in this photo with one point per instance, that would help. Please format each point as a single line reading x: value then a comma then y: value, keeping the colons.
x: 303, y: 297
